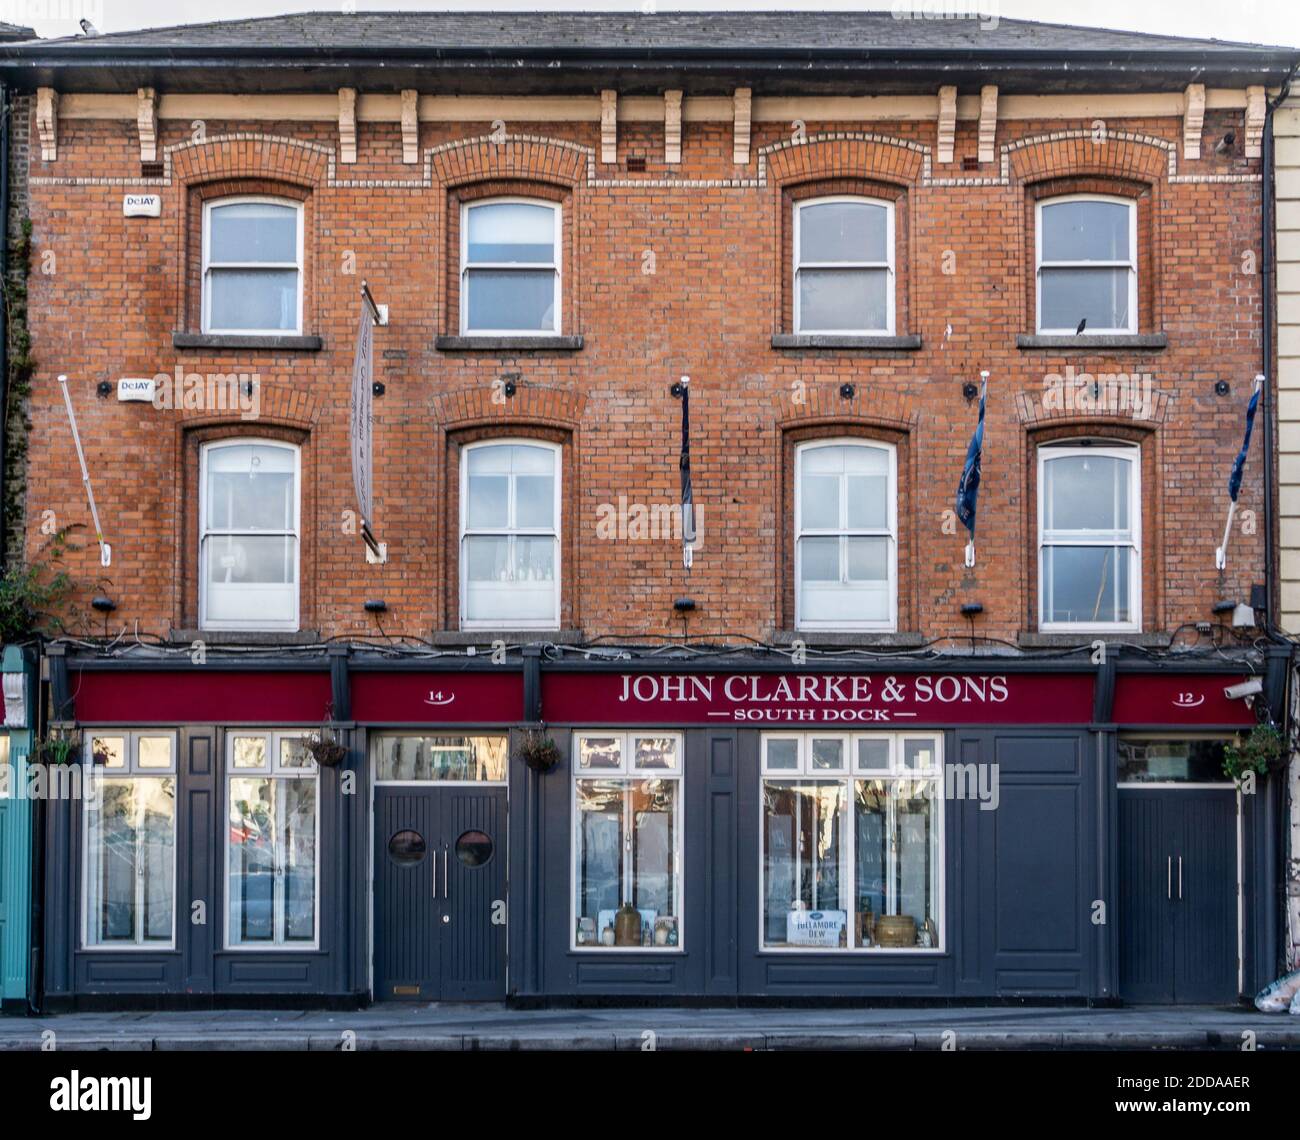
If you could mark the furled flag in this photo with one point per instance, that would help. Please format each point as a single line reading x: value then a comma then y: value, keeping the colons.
x: 1238, y: 468
x: 688, y: 492
x: 968, y: 488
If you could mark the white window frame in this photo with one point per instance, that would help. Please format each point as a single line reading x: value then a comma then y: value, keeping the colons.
x: 888, y: 264
x: 290, y: 623
x: 890, y: 533
x: 208, y: 264
x: 847, y: 777
x: 274, y: 770
x: 554, y: 532
x: 1133, y: 456
x: 555, y: 265
x: 627, y: 774
x: 132, y: 770
x: 1130, y: 264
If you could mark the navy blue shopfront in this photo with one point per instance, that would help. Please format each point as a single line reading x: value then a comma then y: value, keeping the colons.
x: 741, y: 832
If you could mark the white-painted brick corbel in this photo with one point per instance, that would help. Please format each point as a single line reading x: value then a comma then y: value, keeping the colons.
x: 47, y: 122
x: 672, y: 126
x: 146, y: 121
x: 410, y: 126
x: 1255, y: 103
x: 1193, y: 119
x: 609, y: 126
x: 743, y: 103
x: 347, y: 124
x: 947, y: 122
x: 988, y: 122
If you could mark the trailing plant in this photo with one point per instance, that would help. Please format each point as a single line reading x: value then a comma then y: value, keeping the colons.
x: 538, y: 750
x: 58, y: 746
x: 1261, y: 750
x: 21, y: 366
x: 324, y: 747
x: 33, y: 594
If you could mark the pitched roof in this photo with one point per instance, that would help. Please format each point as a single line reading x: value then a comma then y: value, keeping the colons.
x: 775, y: 50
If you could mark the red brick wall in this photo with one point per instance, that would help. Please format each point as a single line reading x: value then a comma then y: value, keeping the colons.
x: 719, y: 290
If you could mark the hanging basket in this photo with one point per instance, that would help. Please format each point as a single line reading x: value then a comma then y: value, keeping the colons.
x: 324, y: 747
x: 59, y: 746
x: 538, y: 750
x: 1260, y: 751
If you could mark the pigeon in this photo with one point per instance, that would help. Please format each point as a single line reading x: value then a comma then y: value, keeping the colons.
x: 1082, y: 324
x: 88, y: 28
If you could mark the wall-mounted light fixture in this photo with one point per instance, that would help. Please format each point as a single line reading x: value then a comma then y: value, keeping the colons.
x: 376, y: 606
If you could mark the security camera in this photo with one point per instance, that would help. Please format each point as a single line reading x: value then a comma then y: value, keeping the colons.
x: 1245, y: 690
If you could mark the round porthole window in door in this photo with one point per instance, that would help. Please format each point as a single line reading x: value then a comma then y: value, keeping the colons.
x: 474, y: 848
x: 406, y: 848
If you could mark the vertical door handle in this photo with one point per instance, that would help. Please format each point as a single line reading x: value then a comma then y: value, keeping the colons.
x: 1180, y: 876
x: 1169, y: 877
x: 435, y: 875
x: 445, y: 884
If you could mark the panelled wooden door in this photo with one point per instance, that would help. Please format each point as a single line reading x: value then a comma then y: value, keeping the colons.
x: 1177, y: 895
x: 440, y: 893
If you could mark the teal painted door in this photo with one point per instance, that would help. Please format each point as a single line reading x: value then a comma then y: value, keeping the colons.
x: 15, y: 866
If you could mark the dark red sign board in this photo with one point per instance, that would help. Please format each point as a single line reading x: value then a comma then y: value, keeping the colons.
x: 200, y: 696
x: 846, y: 700
x: 1180, y: 699
x: 438, y: 698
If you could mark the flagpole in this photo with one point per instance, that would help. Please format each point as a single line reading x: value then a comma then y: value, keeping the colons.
x: 970, y: 546
x: 1221, y: 554
x: 105, y: 551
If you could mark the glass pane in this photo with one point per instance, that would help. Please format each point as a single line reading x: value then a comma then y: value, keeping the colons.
x: 805, y: 896
x: 421, y: 758
x: 251, y: 487
x: 918, y: 755
x: 873, y: 755
x: 782, y: 754
x: 868, y: 501
x: 819, y: 500
x: 1086, y: 492
x: 130, y: 839
x: 1087, y: 584
x: 598, y: 855
x: 1171, y: 761
x: 407, y: 848
x: 253, y: 231
x: 819, y: 559
x: 828, y: 754
x: 297, y: 853
x: 896, y: 852
x: 1085, y: 231
x: 293, y: 755
x: 654, y: 880
x: 600, y: 752
x: 534, y: 559
x: 108, y: 752
x: 843, y: 231
x: 511, y: 231
x: 868, y: 559
x: 154, y: 752
x: 843, y: 300
x: 534, y: 501
x: 257, y: 299
x: 656, y: 752
x: 916, y: 876
x: 488, y: 487
x: 249, y: 752
x: 8, y: 776
x: 511, y: 300
x: 474, y: 848
x: 252, y: 861
x: 487, y: 559
x: 235, y: 559
x: 1069, y: 296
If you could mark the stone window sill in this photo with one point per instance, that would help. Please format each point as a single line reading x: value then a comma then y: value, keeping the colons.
x: 1083, y: 639
x: 857, y: 343
x: 492, y: 344
x: 247, y: 636
x: 1086, y: 343
x: 269, y: 343
x: 862, y: 639
x: 456, y: 637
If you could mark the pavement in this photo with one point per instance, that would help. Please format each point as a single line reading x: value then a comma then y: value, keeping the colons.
x: 461, y: 1027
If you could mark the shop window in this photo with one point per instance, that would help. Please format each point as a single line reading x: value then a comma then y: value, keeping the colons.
x: 248, y: 535
x: 129, y: 870
x: 1153, y: 760
x: 844, y: 266
x: 272, y: 842
x: 409, y: 759
x: 1089, y: 564
x: 852, y: 851
x: 510, y: 267
x: 1087, y: 264
x: 510, y: 528
x: 7, y: 769
x: 627, y: 887
x: 252, y: 266
x: 846, y: 550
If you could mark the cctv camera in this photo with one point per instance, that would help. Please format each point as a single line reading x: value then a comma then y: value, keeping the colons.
x: 1245, y: 690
